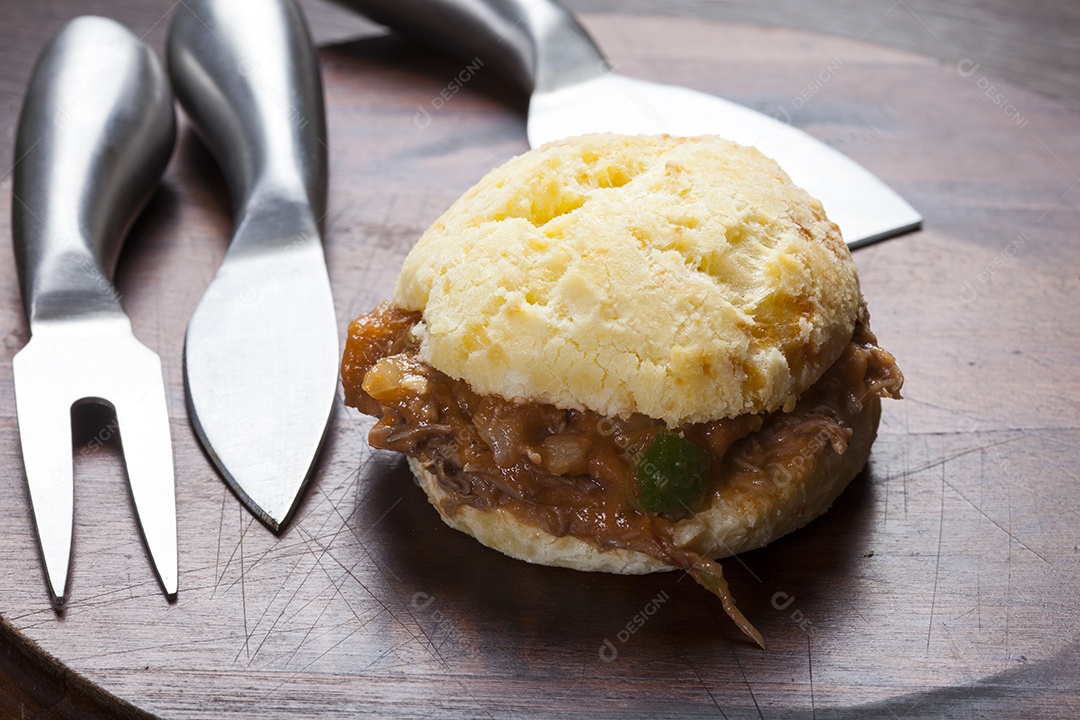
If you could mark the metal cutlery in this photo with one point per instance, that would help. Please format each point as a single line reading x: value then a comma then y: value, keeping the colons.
x: 261, y: 351
x: 95, y: 134
x: 574, y: 90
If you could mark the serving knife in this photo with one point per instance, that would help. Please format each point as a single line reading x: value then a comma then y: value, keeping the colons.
x: 261, y: 350
x: 574, y: 89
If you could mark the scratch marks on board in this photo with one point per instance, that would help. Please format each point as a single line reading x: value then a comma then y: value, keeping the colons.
x: 1007, y: 530
x: 243, y: 573
x: 281, y: 589
x: 701, y: 681
x: 218, y: 572
x: 963, y: 497
x: 1008, y: 572
x: 746, y: 681
x: 937, y: 562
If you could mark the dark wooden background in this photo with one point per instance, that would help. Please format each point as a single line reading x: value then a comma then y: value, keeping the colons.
x: 944, y: 581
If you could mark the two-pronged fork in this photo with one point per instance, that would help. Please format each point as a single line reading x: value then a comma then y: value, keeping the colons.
x: 95, y: 134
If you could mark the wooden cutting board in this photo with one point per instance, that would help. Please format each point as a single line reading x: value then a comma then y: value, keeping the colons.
x: 943, y: 582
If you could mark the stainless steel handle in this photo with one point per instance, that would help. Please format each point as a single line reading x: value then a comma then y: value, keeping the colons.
x: 95, y: 133
x: 538, y: 43
x: 247, y: 74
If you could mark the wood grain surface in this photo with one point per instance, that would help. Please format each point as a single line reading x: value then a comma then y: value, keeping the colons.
x: 943, y: 582
x: 1032, y: 44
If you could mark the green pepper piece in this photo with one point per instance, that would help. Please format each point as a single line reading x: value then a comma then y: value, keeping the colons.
x: 671, y: 474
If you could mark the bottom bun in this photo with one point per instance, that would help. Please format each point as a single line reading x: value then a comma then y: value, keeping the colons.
x: 742, y: 517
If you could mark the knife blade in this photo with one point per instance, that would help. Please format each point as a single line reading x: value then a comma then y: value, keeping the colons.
x: 261, y: 348
x: 574, y: 90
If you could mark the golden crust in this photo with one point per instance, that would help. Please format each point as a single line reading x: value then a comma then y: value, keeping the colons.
x: 686, y: 279
x: 736, y: 522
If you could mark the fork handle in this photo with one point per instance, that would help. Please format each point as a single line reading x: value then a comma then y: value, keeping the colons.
x: 537, y: 43
x: 95, y: 133
x: 248, y: 76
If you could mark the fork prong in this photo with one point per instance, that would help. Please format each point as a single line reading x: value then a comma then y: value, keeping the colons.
x: 45, y: 436
x: 112, y: 367
x: 143, y: 418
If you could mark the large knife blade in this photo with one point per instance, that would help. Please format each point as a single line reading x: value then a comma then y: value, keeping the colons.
x: 574, y: 90
x: 261, y: 350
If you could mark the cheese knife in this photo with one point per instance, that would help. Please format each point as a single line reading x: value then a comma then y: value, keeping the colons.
x: 261, y: 349
x: 574, y: 90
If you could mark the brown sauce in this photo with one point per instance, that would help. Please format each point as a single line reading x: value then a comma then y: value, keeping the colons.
x: 570, y: 472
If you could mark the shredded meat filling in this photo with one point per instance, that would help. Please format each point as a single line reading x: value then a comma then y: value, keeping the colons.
x: 571, y: 472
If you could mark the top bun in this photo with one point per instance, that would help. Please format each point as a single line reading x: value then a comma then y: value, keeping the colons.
x: 687, y: 279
